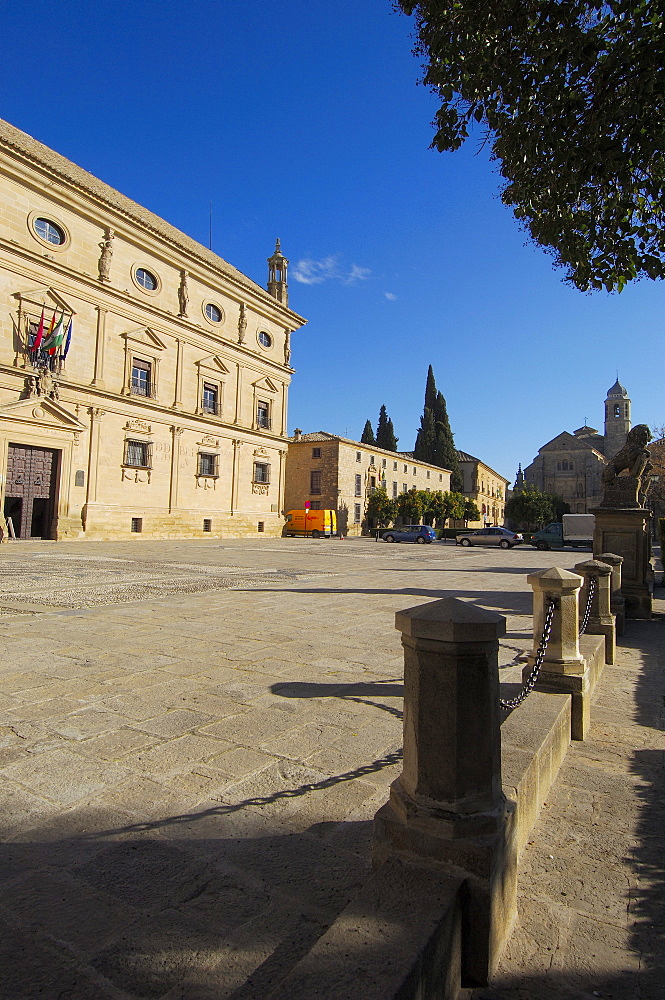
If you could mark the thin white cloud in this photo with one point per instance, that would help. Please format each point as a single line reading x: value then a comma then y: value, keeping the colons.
x: 390, y: 296
x: 309, y: 271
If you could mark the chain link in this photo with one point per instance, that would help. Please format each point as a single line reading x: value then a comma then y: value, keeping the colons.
x: 587, y: 613
x: 530, y: 682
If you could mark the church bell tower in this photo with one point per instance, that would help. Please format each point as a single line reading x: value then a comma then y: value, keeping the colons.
x: 617, y: 419
x: 277, y: 276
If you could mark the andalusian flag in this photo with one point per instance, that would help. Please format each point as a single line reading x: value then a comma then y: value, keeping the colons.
x: 55, y: 337
x: 68, y: 340
x: 40, y: 334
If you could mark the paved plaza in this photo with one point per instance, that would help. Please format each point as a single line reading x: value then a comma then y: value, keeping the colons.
x: 194, y: 738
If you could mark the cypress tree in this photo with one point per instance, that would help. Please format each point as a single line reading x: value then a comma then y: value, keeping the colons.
x: 445, y: 452
x: 425, y: 444
x: 368, y: 434
x: 385, y: 432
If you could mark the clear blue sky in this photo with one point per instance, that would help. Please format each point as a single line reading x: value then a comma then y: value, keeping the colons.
x: 304, y: 120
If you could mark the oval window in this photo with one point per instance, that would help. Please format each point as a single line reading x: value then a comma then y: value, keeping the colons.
x: 265, y: 340
x: 213, y: 312
x: 146, y: 279
x: 48, y: 231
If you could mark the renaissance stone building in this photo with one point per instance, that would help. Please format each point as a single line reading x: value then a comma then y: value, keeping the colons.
x: 571, y: 465
x: 485, y: 487
x: 143, y: 379
x: 335, y: 473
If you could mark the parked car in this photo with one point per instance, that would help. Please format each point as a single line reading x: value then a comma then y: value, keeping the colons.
x: 490, y: 536
x: 410, y: 533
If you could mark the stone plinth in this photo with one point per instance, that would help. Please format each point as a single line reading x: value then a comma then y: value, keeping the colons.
x: 626, y: 532
x: 565, y: 669
x: 617, y: 600
x: 601, y: 621
x: 447, y: 806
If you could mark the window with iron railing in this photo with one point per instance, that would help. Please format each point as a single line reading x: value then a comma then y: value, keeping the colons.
x: 210, y: 399
x: 207, y: 464
x: 359, y: 486
x: 261, y: 472
x: 263, y: 415
x: 142, y: 380
x: 138, y: 454
x: 315, y: 481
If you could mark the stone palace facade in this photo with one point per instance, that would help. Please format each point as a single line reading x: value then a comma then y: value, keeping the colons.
x: 143, y: 379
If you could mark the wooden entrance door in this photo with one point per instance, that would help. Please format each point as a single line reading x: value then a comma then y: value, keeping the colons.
x: 30, y: 491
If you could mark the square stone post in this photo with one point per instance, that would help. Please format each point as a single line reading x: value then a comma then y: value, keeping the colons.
x: 601, y: 620
x: 626, y: 531
x: 564, y: 667
x: 617, y: 600
x: 448, y: 806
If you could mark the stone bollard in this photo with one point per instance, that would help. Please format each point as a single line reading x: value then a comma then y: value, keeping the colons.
x: 448, y: 806
x: 601, y: 620
x: 564, y: 667
x: 617, y: 600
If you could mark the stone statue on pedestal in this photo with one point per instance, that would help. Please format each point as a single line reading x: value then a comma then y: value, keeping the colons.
x: 626, y: 476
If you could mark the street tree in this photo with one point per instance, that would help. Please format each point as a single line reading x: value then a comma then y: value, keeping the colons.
x: 471, y: 512
x: 367, y: 436
x: 568, y: 95
x: 380, y: 508
x: 410, y: 506
x: 530, y: 508
x: 385, y: 432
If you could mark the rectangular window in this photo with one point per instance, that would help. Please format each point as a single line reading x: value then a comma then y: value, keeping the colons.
x: 207, y: 464
x: 371, y: 459
x: 137, y: 524
x: 372, y: 482
x: 405, y: 488
x: 383, y: 463
x: 358, y: 456
x: 394, y: 466
x: 414, y: 470
x: 207, y: 524
x: 261, y: 472
x: 261, y: 526
x: 356, y: 513
x: 210, y: 401
x: 440, y: 477
x: 406, y: 469
x: 316, y: 453
x: 315, y: 505
x: 138, y: 454
x: 428, y: 473
x: 315, y: 481
x: 359, y: 486
x: 263, y: 415
x: 394, y: 490
x: 141, y: 377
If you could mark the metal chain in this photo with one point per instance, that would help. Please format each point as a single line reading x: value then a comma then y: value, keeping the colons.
x: 530, y: 682
x: 587, y: 613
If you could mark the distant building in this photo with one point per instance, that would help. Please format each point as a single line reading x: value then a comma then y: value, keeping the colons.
x: 485, y: 487
x: 335, y: 473
x: 161, y: 409
x: 571, y: 465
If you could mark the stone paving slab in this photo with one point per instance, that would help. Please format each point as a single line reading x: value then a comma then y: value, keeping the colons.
x: 190, y: 770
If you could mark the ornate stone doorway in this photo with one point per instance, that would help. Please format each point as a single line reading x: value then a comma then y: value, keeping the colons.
x: 30, y: 493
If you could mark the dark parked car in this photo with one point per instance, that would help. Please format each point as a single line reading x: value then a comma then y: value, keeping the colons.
x: 490, y: 536
x: 410, y: 533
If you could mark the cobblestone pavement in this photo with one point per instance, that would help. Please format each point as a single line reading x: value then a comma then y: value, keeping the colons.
x: 194, y: 738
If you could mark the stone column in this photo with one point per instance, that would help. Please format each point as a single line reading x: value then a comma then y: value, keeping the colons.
x: 100, y: 345
x: 177, y: 400
x: 601, y: 620
x: 564, y: 667
x: 96, y: 416
x: 448, y: 805
x: 176, y: 434
x: 626, y: 531
x: 235, y: 475
x: 617, y: 600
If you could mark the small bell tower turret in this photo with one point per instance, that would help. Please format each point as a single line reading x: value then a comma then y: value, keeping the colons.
x: 617, y: 419
x: 278, y: 285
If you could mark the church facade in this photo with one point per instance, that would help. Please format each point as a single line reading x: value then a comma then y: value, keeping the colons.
x: 571, y: 465
x: 143, y: 379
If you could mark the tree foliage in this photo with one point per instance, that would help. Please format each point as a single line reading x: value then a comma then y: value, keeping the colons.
x: 380, y: 507
x: 385, y: 432
x: 367, y: 436
x: 471, y: 512
x: 434, y: 441
x: 530, y: 508
x: 570, y: 94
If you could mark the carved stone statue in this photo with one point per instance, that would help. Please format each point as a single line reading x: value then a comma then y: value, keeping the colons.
x: 242, y: 324
x: 32, y: 386
x: 626, y: 476
x: 106, y: 246
x: 287, y: 348
x: 183, y: 293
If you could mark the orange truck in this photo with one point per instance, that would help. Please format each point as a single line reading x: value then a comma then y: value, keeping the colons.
x: 315, y: 523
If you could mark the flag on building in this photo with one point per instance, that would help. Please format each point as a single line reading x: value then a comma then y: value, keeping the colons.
x: 68, y: 340
x: 55, y: 337
x: 36, y: 344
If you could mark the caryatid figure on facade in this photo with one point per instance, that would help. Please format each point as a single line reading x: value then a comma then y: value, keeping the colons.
x: 106, y: 246
x: 183, y: 293
x: 242, y: 324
